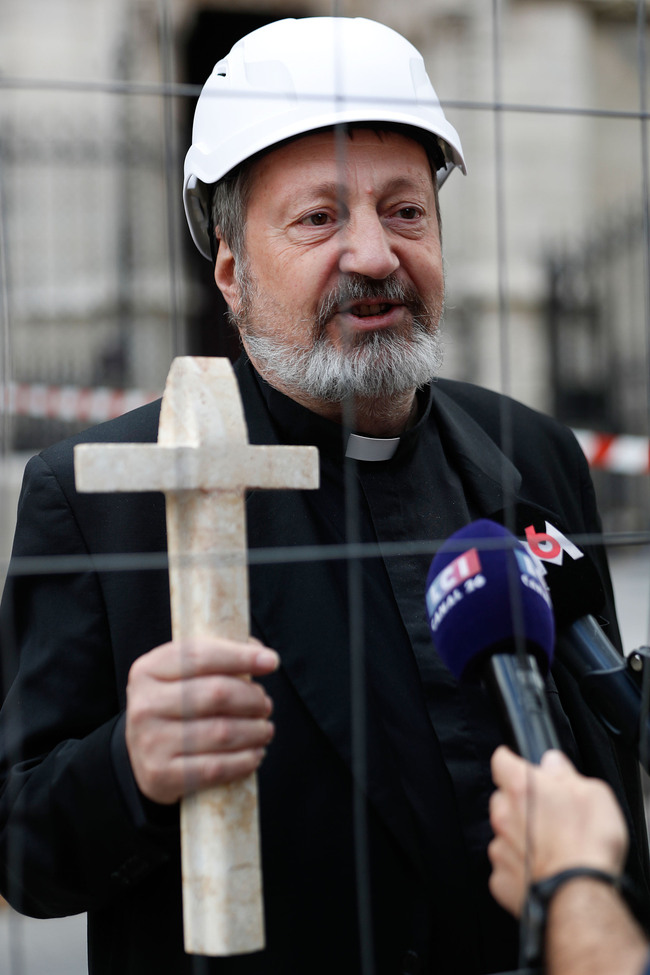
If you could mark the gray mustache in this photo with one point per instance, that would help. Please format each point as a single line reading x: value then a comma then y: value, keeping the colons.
x: 362, y: 289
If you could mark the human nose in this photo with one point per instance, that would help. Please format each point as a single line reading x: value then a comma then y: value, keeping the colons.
x: 366, y: 248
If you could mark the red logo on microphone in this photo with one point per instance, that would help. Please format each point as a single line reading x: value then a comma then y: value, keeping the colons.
x: 550, y: 546
x: 462, y: 568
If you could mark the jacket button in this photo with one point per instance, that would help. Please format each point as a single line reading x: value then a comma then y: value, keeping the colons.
x: 410, y: 963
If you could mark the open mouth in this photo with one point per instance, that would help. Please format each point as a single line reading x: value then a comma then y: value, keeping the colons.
x: 369, y: 310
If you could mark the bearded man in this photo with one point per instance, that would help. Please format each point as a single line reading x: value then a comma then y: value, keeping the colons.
x: 312, y: 184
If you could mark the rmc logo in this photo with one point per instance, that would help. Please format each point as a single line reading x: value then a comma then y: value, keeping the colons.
x: 550, y: 546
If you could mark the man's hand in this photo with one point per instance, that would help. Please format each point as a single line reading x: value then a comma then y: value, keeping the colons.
x: 548, y: 818
x: 193, y: 719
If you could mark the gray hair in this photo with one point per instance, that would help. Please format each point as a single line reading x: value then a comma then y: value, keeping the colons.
x: 229, y: 205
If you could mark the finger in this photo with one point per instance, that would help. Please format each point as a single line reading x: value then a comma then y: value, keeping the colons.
x: 498, y: 805
x: 195, y: 658
x: 209, y: 770
x: 507, y: 881
x: 187, y: 775
x: 502, y: 806
x: 506, y: 858
x: 158, y: 753
x: 496, y: 851
x: 217, y: 735
x: 508, y: 820
x: 556, y: 761
x: 506, y: 891
x: 203, y: 697
x: 507, y: 768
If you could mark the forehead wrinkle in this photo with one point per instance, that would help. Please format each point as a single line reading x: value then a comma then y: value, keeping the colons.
x: 329, y: 188
x: 401, y: 182
x: 341, y: 191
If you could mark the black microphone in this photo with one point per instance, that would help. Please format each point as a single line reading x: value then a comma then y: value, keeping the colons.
x: 610, y: 686
x: 491, y: 618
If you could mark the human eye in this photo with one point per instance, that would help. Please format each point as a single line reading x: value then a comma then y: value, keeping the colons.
x: 409, y: 212
x: 318, y: 218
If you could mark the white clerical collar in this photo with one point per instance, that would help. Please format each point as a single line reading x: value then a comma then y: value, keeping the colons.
x: 371, y: 448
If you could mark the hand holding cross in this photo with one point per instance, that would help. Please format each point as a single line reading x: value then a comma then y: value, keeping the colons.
x: 203, y: 462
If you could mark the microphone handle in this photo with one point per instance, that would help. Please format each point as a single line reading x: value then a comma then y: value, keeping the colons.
x: 516, y: 683
x: 610, y: 690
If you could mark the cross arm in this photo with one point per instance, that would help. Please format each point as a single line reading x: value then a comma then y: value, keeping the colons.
x: 232, y: 466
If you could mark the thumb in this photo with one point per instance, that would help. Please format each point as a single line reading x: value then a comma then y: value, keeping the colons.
x: 556, y: 761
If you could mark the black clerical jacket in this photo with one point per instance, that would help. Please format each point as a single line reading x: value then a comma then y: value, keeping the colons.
x: 343, y: 849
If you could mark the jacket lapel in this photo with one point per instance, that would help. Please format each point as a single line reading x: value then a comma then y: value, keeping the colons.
x: 489, y: 476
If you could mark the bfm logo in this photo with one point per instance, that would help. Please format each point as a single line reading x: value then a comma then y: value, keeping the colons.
x: 550, y: 546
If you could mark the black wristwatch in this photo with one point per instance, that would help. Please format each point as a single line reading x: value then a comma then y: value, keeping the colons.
x: 535, y: 910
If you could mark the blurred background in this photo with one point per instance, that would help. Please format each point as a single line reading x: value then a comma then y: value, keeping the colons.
x: 546, y: 239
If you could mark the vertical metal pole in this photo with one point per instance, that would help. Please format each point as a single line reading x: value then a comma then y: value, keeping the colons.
x: 358, y: 716
x: 641, y: 23
x: 171, y: 174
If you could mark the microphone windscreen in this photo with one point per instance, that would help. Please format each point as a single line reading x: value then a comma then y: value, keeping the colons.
x: 486, y: 594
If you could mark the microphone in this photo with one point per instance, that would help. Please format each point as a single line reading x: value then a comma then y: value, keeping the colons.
x: 491, y: 618
x: 610, y: 684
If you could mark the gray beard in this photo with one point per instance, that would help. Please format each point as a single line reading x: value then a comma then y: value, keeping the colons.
x: 379, y: 364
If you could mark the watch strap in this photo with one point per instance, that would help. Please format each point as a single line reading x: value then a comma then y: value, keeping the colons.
x: 535, y: 911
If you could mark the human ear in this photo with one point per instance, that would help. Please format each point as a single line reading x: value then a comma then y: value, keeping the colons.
x: 225, y: 276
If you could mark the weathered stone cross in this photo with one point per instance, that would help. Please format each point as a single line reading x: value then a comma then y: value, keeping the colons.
x: 203, y: 463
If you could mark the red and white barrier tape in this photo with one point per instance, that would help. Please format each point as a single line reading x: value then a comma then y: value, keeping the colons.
x: 92, y: 405
x: 620, y: 454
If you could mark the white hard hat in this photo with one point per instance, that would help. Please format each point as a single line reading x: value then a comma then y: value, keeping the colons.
x: 294, y: 76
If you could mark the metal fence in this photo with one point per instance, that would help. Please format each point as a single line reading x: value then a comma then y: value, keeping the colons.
x: 99, y: 290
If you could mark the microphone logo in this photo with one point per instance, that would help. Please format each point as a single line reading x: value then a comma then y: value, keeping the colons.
x: 550, y: 546
x: 489, y: 599
x: 444, y: 591
x: 532, y: 574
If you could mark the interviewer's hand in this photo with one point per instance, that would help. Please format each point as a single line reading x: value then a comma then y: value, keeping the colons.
x: 192, y: 719
x: 547, y: 818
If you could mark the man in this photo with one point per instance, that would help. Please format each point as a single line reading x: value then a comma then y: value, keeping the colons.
x: 311, y: 185
x: 548, y: 819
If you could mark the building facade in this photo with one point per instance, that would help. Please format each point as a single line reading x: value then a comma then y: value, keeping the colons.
x: 545, y: 239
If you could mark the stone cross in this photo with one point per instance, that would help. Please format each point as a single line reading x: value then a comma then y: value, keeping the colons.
x: 203, y: 463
